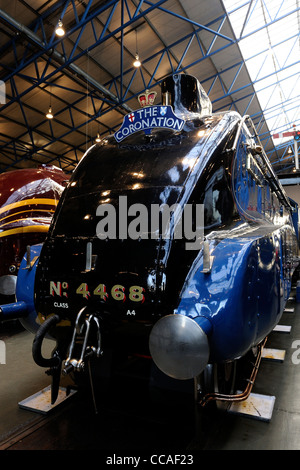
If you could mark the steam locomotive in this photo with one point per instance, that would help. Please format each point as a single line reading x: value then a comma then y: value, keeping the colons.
x: 173, y: 240
x: 28, y: 199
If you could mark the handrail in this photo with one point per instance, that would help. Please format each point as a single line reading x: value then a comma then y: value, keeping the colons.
x: 242, y: 121
x: 273, y: 178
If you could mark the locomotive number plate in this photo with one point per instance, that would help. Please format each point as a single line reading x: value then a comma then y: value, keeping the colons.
x: 116, y: 292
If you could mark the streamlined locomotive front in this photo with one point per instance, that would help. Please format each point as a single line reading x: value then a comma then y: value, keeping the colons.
x: 110, y: 252
x: 28, y: 199
x: 173, y: 240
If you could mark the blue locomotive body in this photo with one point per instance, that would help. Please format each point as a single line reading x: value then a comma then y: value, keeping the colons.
x: 108, y: 273
x: 249, y: 280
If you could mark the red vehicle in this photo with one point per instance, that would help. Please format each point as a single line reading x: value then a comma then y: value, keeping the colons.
x: 28, y: 199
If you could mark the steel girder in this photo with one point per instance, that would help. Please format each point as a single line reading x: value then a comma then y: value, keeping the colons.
x: 114, y: 94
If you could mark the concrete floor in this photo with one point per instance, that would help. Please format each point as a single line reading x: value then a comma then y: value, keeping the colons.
x: 20, y: 377
x: 115, y: 428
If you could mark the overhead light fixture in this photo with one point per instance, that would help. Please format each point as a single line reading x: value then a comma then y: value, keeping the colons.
x: 60, y: 29
x: 49, y: 115
x: 98, y: 139
x: 137, y: 63
x: 290, y: 151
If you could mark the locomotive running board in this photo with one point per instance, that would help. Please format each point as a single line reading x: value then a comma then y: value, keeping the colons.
x: 40, y: 402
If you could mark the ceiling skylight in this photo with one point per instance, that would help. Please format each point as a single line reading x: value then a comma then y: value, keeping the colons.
x: 268, y: 35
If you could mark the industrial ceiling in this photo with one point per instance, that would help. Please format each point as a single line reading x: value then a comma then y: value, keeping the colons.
x: 245, y: 54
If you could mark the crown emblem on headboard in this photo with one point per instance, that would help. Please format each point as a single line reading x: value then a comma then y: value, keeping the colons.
x: 147, y: 98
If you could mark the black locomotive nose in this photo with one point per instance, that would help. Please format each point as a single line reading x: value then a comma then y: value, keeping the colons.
x: 179, y: 346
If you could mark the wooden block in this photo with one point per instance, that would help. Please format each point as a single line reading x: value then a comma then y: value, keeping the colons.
x: 40, y: 402
x: 282, y: 328
x: 256, y: 406
x: 273, y: 354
